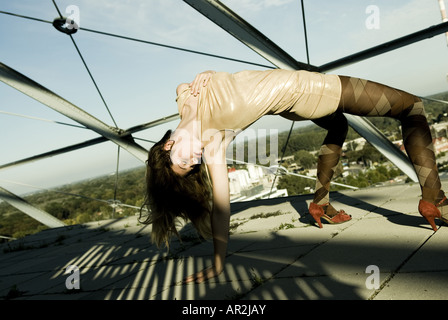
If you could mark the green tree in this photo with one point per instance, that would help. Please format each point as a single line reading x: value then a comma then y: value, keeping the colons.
x: 305, y: 159
x: 294, y: 185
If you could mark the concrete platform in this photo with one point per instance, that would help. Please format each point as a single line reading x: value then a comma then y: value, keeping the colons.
x: 275, y: 253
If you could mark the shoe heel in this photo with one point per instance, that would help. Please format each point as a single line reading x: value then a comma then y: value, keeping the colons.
x: 429, y: 212
x: 316, y: 212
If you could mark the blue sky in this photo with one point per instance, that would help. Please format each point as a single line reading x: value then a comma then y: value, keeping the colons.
x: 138, y: 80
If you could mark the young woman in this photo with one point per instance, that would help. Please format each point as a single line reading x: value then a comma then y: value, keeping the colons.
x: 187, y: 171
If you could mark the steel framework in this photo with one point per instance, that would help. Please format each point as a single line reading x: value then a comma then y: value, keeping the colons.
x: 228, y: 20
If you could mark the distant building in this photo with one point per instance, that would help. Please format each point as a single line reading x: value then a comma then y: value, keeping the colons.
x: 253, y: 183
x: 354, y: 169
x: 312, y: 172
x: 354, y: 145
x: 439, y: 129
x: 255, y: 172
x: 440, y: 144
x: 238, y: 180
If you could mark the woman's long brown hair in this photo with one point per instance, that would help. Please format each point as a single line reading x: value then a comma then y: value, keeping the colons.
x: 170, y: 196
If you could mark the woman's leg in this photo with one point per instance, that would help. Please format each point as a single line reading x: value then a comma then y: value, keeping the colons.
x: 329, y: 155
x: 367, y: 98
x: 330, y: 152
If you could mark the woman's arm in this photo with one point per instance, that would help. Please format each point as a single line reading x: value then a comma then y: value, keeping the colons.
x: 220, y: 226
x: 220, y: 218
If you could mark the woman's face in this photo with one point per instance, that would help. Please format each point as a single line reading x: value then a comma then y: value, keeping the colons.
x: 186, y: 153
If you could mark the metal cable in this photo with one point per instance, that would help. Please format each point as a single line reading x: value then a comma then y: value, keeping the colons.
x: 434, y: 100
x: 292, y: 125
x: 116, y: 180
x: 281, y: 159
x: 88, y: 70
x: 149, y: 42
x: 114, y: 205
x: 41, y: 119
x: 280, y: 171
x: 305, y: 33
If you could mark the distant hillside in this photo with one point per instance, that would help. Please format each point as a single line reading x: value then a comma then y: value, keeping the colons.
x: 310, y: 137
x: 63, y: 204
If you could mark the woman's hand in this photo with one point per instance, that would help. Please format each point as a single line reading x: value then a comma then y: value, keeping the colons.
x: 200, y: 81
x: 203, y: 275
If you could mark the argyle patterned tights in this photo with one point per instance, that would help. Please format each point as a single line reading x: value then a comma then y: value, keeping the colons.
x: 370, y: 99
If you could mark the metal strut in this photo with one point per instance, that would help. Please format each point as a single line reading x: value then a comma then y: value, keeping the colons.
x: 254, y: 39
x: 35, y: 213
x: 36, y: 91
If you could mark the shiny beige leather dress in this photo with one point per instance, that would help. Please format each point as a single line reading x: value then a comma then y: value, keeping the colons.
x: 235, y: 101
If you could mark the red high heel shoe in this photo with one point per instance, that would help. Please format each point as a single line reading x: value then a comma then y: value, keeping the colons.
x: 317, y: 212
x: 430, y: 211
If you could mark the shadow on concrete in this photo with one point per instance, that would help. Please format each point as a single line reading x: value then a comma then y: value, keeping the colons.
x: 301, y: 203
x: 117, y: 262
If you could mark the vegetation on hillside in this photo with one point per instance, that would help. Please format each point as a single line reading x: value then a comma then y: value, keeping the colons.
x: 75, y: 203
x: 78, y: 203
